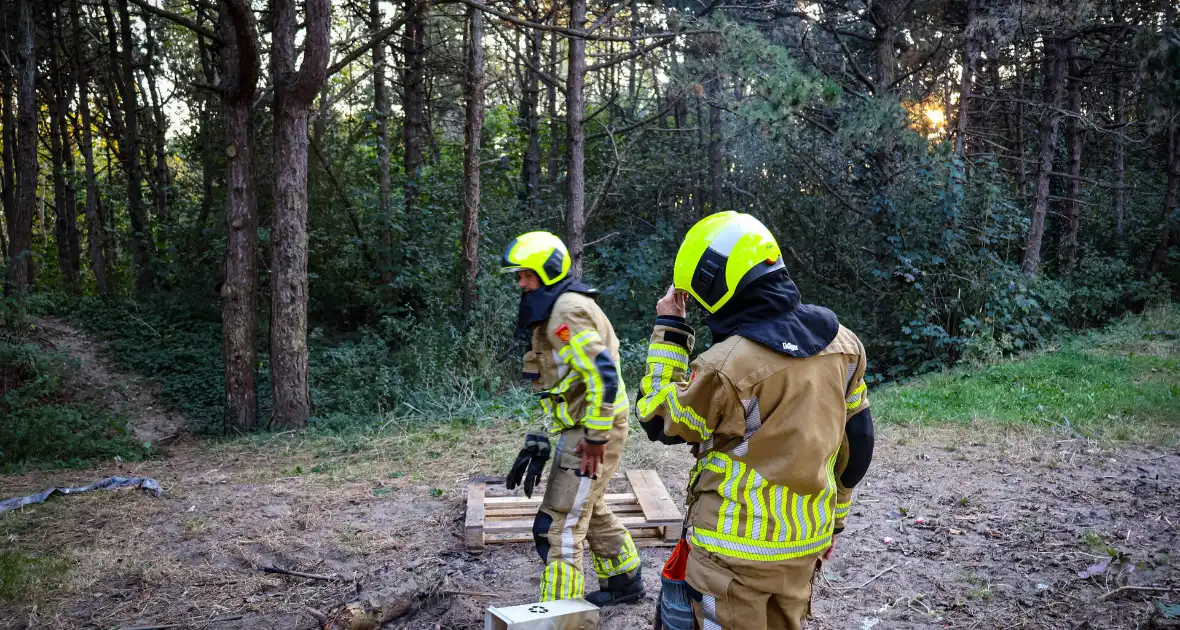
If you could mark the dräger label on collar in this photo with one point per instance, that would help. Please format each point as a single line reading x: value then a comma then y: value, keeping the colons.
x: 790, y: 347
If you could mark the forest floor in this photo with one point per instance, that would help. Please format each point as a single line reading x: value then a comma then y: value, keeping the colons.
x: 971, y: 524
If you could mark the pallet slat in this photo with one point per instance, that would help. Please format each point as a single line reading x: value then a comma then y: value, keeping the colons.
x: 648, y: 512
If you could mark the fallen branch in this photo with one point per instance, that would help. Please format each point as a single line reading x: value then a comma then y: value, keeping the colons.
x: 1150, y: 589
x: 869, y: 581
x: 319, y: 616
x: 310, y: 576
x: 471, y: 593
x: 184, y: 624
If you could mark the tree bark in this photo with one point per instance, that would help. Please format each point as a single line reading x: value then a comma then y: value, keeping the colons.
x: 472, y: 132
x: 20, y: 221
x: 1055, y: 60
x: 7, y: 133
x: 161, y: 176
x: 551, y: 93
x: 531, y: 168
x: 240, y: 65
x: 966, y: 80
x: 94, y: 225
x: 294, y: 93
x: 1169, y: 232
x: 414, y: 127
x: 1073, y: 144
x: 1120, y: 155
x: 381, y: 110
x: 142, y: 249
x: 62, y: 155
x: 575, y: 110
x: 205, y: 133
x: 716, y: 146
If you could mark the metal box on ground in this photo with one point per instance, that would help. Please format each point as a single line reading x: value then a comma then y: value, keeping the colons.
x: 564, y: 614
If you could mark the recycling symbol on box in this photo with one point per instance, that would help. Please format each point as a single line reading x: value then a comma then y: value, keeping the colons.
x: 538, y: 609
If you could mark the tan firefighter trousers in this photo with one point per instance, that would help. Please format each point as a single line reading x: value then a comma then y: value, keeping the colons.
x: 574, y: 512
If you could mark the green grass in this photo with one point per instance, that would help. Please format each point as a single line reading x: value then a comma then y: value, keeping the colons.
x: 22, y: 576
x: 1113, y: 383
x: 47, y: 422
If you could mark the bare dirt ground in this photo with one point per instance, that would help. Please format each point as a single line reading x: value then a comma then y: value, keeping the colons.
x: 988, y: 528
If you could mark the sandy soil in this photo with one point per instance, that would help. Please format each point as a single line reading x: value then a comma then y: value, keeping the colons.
x: 987, y: 528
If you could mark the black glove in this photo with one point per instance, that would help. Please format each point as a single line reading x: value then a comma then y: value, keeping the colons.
x: 531, y: 459
x: 537, y: 466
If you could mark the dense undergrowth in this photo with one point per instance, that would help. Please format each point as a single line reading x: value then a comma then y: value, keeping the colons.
x: 1118, y: 382
x: 46, y: 420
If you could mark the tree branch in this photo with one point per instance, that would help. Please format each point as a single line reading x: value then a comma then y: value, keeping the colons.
x: 316, y: 42
x: 569, y: 32
x: 377, y: 38
x: 176, y: 18
x: 638, y: 52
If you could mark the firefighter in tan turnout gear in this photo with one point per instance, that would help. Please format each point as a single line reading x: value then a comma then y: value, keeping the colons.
x: 778, y: 416
x: 573, y: 362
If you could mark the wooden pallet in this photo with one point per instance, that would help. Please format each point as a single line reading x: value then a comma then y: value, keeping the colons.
x: 648, y: 512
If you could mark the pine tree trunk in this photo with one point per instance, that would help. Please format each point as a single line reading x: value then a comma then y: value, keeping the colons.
x: 205, y: 133
x: 554, y: 143
x: 381, y: 109
x: 716, y: 147
x: 62, y: 155
x: 1169, y: 232
x: 531, y: 169
x: 239, y: 292
x: 7, y: 134
x: 575, y: 106
x: 20, y: 221
x: 966, y: 80
x: 1073, y: 144
x: 294, y: 94
x: 472, y: 132
x: 1055, y: 59
x: 142, y: 250
x: 1120, y: 156
x: 161, y: 176
x: 414, y: 127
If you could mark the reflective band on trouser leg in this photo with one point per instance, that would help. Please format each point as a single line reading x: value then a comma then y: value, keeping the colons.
x: 561, y: 580
x: 853, y: 400
x: 627, y: 560
x: 842, y: 509
x: 709, y: 607
x: 750, y: 549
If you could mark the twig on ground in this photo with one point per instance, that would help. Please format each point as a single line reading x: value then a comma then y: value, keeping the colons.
x: 1149, y: 589
x: 869, y: 581
x: 183, y: 624
x: 319, y: 616
x: 310, y: 576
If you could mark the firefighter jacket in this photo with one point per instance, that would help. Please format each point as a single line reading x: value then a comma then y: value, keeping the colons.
x: 766, y: 408
x: 574, y: 365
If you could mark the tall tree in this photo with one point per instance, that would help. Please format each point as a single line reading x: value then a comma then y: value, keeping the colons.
x: 473, y: 129
x: 575, y: 111
x: 294, y: 92
x: 142, y: 249
x: 530, y: 171
x: 94, y: 225
x: 381, y: 113
x: 20, y: 220
x: 161, y: 176
x: 62, y: 157
x: 1073, y: 145
x: 1055, y: 63
x: 240, y: 65
x: 7, y: 130
x: 414, y: 85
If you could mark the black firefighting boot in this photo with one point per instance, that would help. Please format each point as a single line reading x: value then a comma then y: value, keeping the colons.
x: 618, y: 589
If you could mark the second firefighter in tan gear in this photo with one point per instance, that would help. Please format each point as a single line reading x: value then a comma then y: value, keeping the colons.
x: 573, y: 363
x: 778, y: 416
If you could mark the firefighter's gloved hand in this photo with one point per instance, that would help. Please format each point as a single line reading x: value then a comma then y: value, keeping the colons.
x: 530, y: 460
x: 537, y: 466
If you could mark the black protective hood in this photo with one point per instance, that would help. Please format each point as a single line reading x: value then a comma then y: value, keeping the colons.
x: 768, y: 312
x: 535, y: 306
